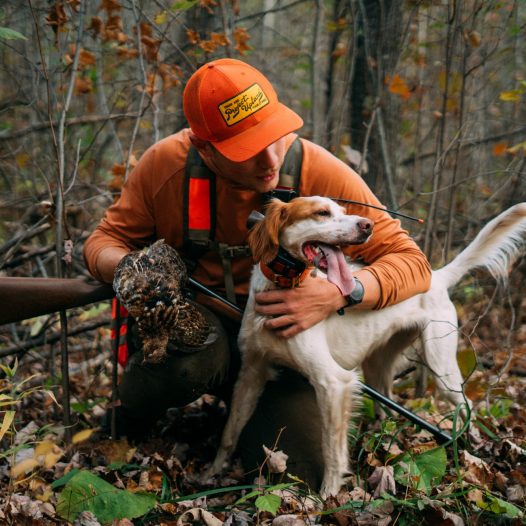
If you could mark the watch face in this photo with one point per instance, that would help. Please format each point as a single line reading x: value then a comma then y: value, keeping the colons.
x: 356, y: 296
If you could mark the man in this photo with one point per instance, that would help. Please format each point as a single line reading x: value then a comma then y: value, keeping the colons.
x: 242, y: 134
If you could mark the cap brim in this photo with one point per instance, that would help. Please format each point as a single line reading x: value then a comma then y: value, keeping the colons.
x: 249, y: 143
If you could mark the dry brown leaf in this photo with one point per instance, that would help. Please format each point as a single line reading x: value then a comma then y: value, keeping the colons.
x: 277, y: 460
x: 109, y: 6
x: 377, y: 516
x: 116, y: 450
x: 193, y: 36
x: 127, y: 53
x: 501, y: 481
x: 25, y: 466
x: 511, y: 451
x: 288, y: 520
x: 83, y: 435
x: 382, y: 480
x: 474, y: 38
x: 83, y: 85
x: 476, y: 471
x: 358, y: 494
x: 123, y: 522
x: 198, y: 516
x: 87, y: 58
x: 475, y: 495
x: 241, y: 37
x: 96, y: 25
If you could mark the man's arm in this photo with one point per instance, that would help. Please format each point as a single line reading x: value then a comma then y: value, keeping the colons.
x: 106, y: 262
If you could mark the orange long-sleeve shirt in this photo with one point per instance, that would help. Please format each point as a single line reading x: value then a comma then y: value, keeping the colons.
x: 151, y: 207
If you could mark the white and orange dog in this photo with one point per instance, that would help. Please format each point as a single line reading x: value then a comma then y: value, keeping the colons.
x: 311, y: 230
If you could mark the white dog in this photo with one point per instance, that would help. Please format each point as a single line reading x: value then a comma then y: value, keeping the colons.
x: 311, y: 229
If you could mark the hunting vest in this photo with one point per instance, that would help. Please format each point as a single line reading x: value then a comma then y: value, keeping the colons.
x: 199, y: 210
x: 199, y: 219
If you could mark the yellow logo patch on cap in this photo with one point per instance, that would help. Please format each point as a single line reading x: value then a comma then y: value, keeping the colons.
x: 243, y: 105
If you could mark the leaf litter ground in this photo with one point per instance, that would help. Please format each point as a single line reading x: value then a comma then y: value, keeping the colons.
x: 401, y: 476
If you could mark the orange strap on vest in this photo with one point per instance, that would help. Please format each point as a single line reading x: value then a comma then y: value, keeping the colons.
x: 122, y: 351
x: 199, y: 205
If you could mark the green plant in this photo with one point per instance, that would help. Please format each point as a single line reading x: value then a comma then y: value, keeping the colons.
x: 87, y: 492
x: 12, y: 393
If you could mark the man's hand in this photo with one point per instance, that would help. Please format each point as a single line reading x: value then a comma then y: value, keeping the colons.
x: 291, y: 311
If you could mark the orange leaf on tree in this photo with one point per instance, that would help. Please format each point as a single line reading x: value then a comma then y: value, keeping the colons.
x: 397, y: 85
x: 126, y: 52
x: 87, y: 58
x: 499, y: 149
x: 109, y: 6
x: 83, y: 85
x: 193, y: 36
x: 241, y: 37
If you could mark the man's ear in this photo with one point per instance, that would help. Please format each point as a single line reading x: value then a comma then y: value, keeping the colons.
x: 200, y: 145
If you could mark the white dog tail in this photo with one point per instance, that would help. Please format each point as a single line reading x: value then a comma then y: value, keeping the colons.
x: 495, y: 247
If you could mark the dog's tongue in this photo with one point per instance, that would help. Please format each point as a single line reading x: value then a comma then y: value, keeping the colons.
x: 338, y: 272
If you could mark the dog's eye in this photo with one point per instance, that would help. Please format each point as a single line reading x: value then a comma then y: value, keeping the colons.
x: 323, y: 213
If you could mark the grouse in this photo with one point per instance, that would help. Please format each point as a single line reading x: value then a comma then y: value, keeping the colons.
x: 150, y: 283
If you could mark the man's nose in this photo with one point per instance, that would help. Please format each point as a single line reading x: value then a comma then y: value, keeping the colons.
x: 267, y: 158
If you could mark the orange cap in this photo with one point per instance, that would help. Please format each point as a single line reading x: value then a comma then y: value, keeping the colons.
x: 234, y: 106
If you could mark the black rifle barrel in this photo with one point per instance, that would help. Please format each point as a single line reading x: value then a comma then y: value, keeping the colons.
x: 440, y: 436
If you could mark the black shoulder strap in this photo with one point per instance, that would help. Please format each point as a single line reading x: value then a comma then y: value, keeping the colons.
x: 289, y: 175
x: 199, y: 209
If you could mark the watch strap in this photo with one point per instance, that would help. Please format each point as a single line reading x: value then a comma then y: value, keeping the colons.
x: 355, y: 297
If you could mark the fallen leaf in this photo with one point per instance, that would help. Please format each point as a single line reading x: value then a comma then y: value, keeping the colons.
x: 23, y: 467
x: 476, y: 470
x: 83, y: 435
x: 277, y: 460
x: 198, y: 516
x: 382, y: 480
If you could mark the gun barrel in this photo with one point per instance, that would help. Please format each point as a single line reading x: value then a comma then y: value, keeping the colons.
x: 23, y: 298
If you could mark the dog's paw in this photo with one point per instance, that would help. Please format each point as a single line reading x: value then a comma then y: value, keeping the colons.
x: 207, y: 477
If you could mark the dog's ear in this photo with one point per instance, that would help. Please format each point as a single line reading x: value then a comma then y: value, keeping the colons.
x: 263, y: 238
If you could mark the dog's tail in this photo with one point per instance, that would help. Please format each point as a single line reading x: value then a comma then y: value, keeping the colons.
x: 495, y: 247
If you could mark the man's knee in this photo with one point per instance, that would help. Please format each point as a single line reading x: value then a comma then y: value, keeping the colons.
x: 287, y: 415
x: 182, y: 378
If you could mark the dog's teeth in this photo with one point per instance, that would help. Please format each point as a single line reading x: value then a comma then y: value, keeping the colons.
x: 318, y: 259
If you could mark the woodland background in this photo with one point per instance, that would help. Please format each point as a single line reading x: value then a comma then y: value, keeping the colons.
x: 425, y: 99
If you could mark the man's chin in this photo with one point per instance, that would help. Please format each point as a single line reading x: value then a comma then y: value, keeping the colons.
x: 267, y: 184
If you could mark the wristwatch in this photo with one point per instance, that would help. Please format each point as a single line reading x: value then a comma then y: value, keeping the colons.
x: 355, y: 297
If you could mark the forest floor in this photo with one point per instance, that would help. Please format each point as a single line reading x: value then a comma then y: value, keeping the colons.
x: 401, y: 475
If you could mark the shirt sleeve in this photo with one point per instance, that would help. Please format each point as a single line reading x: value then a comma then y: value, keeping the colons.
x: 129, y: 222
x: 391, y: 255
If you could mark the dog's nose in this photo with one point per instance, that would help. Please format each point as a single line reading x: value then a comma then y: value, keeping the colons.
x: 365, y: 225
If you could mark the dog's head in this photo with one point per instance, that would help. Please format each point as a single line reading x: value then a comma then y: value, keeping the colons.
x: 308, y: 228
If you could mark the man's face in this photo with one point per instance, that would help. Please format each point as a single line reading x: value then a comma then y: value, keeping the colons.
x: 259, y: 173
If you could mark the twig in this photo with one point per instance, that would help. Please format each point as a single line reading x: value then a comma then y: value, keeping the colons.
x: 34, y: 230
x: 272, y: 10
x: 74, y: 121
x: 144, y: 88
x: 15, y: 262
x: 54, y: 337
x: 389, y: 179
x: 472, y: 143
x: 315, y: 58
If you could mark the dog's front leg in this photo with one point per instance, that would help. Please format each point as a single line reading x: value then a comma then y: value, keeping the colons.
x: 252, y: 378
x: 334, y: 397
